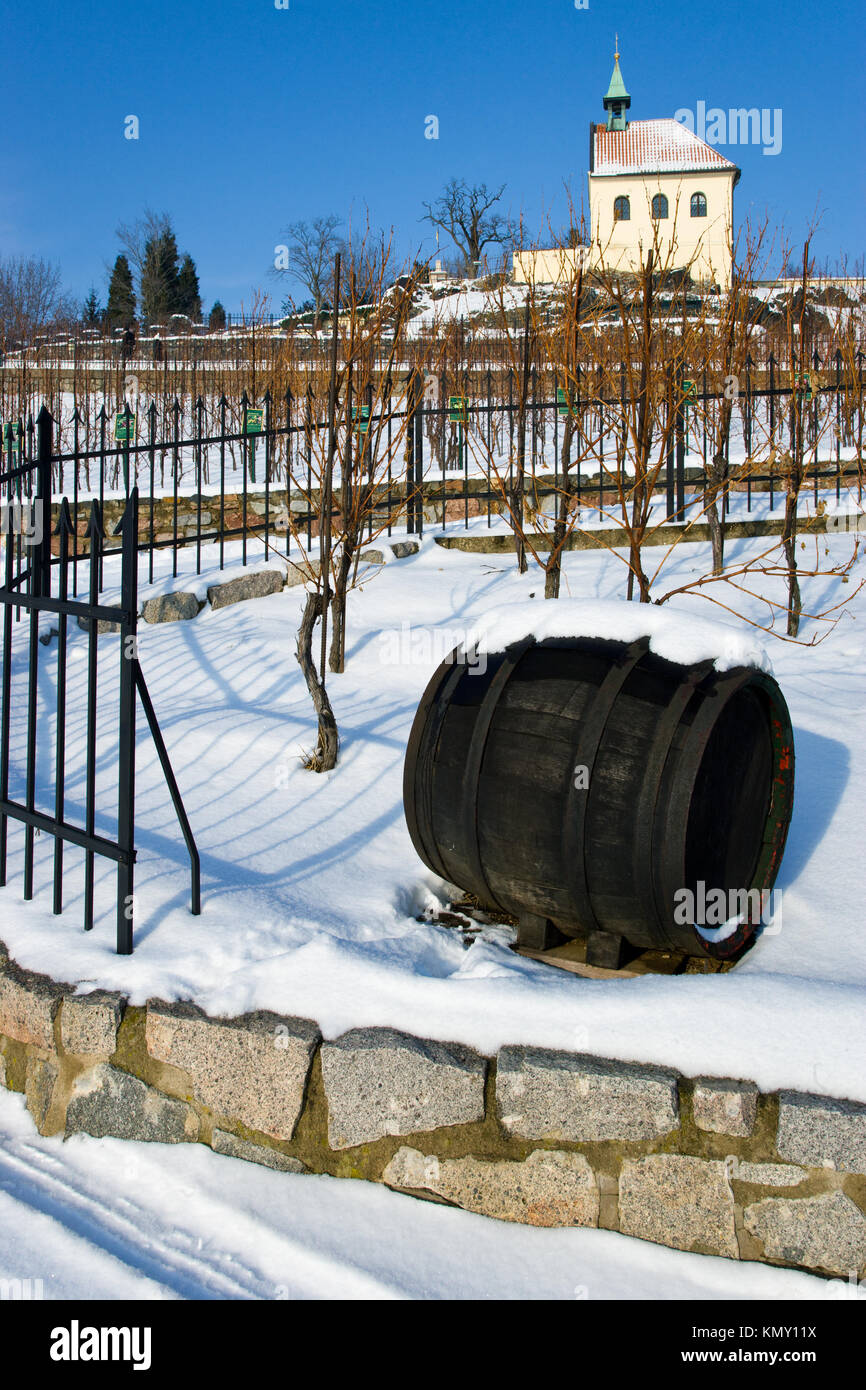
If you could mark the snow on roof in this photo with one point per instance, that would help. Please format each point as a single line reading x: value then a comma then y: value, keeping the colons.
x: 653, y: 147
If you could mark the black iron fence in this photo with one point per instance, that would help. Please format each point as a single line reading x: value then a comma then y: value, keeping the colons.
x: 442, y: 450
x: 38, y: 583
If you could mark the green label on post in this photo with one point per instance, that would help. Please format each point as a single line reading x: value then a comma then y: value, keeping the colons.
x: 562, y: 405
x: 361, y: 422
x: 803, y: 385
x: 12, y: 435
x: 124, y: 426
x: 458, y: 410
x: 253, y: 421
x: 690, y: 389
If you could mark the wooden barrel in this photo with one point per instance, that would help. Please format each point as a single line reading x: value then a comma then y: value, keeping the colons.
x: 588, y: 783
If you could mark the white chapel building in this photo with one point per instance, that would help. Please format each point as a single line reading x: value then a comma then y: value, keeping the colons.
x: 648, y: 181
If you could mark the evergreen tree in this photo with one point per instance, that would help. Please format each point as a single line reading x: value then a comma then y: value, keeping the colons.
x: 159, y: 277
x: 217, y: 317
x: 92, y: 310
x: 188, y: 297
x: 120, y: 310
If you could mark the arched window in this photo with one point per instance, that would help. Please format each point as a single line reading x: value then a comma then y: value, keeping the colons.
x: 621, y: 209
x: 699, y: 205
x: 660, y: 207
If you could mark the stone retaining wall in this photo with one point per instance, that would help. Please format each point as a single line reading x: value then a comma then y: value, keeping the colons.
x: 532, y: 1135
x: 459, y: 496
x: 202, y: 515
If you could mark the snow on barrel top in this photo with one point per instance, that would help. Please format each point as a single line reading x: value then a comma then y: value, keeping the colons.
x: 674, y: 633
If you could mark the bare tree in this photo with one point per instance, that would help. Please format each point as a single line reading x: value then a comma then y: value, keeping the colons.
x: 353, y: 456
x: 135, y: 236
x: 464, y: 212
x: 312, y: 247
x: 151, y: 249
x: 616, y: 346
x: 795, y: 471
x: 31, y: 298
x: 726, y: 352
x: 367, y: 384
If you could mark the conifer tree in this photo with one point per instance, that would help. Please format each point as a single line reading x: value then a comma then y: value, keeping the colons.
x: 92, y: 310
x: 188, y: 296
x: 217, y: 317
x: 159, y: 277
x: 120, y: 310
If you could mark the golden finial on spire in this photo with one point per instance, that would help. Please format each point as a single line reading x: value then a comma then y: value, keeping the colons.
x: 616, y: 50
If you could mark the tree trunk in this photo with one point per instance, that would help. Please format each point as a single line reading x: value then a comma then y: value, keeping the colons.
x: 642, y: 497
x: 325, y: 756
x: 789, y: 541
x: 517, y: 493
x: 553, y: 569
x: 717, y: 537
x: 552, y: 572
x: 636, y: 569
x: 716, y: 470
x: 717, y: 530
x: 337, y: 657
x: 797, y: 462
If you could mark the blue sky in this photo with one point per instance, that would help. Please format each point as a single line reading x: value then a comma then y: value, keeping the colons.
x: 253, y: 116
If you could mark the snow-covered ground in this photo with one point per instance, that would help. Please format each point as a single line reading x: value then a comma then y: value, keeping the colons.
x: 107, y: 1219
x: 312, y: 888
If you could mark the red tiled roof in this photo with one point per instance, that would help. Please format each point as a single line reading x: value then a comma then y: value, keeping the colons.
x: 653, y: 147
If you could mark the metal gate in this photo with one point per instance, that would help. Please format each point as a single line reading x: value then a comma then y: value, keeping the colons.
x: 36, y: 582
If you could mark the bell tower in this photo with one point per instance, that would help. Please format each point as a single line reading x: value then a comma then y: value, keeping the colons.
x: 617, y: 101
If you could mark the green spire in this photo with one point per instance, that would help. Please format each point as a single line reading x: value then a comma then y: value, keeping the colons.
x: 617, y: 101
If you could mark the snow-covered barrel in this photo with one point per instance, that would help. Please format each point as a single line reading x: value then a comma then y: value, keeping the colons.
x: 605, y: 789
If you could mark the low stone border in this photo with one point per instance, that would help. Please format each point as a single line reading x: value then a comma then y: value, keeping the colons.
x: 543, y: 1137
x: 614, y: 537
x: 192, y: 513
x: 180, y: 605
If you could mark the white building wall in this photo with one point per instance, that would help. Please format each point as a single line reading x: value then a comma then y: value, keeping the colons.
x: 623, y: 245
x: 548, y: 267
